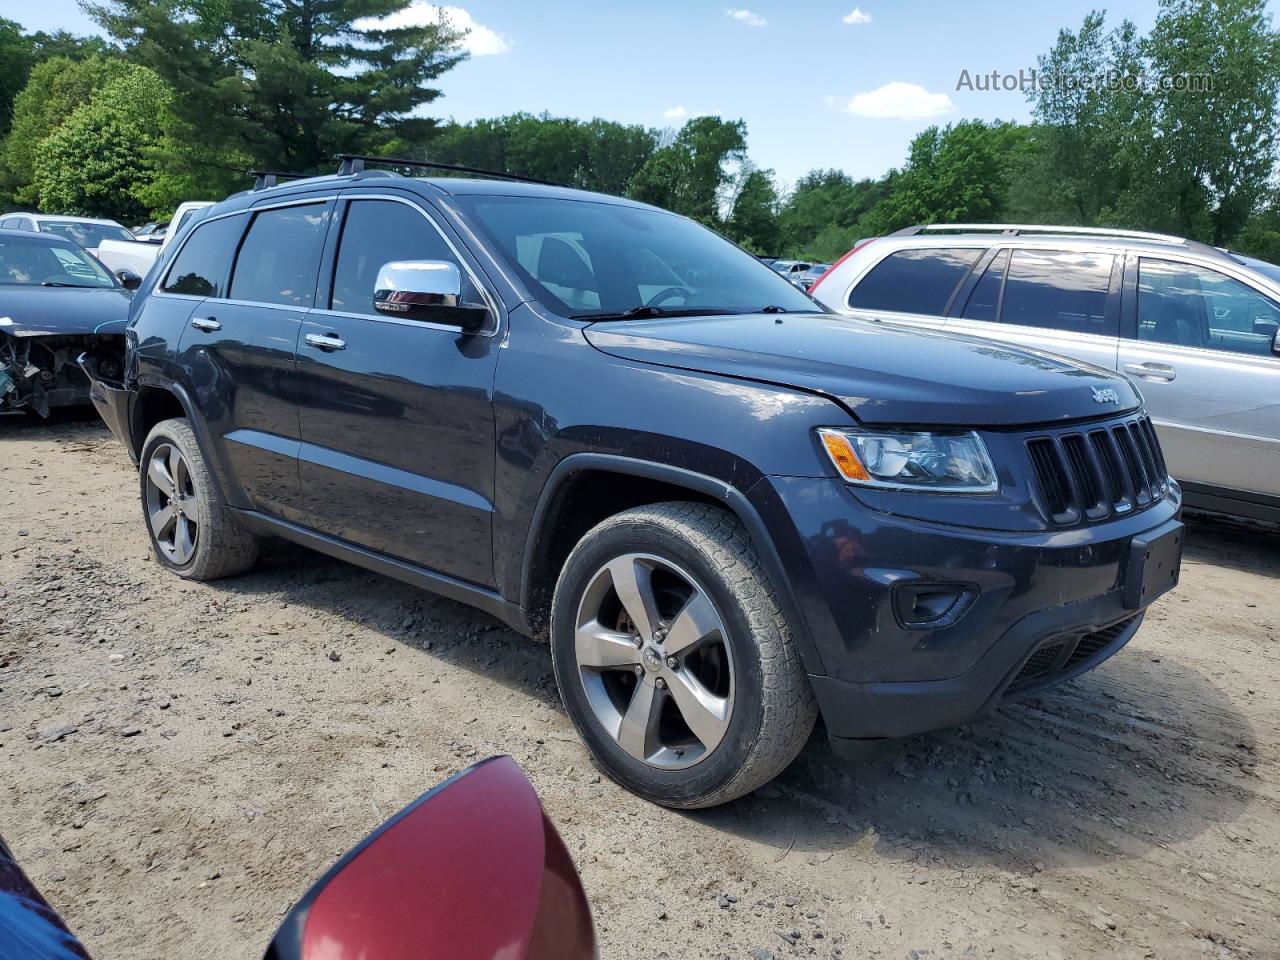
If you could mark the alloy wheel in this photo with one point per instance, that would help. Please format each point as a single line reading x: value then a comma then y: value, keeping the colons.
x: 653, y: 657
x: 171, y: 504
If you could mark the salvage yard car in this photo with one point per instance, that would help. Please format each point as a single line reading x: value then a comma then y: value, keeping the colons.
x: 602, y: 422
x: 86, y: 232
x: 137, y: 255
x: 56, y: 303
x: 1198, y: 328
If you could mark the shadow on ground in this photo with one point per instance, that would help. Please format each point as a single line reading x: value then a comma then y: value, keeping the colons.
x: 1139, y: 753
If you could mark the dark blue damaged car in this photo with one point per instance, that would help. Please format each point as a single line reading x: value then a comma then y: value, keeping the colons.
x: 57, y: 302
x: 603, y: 424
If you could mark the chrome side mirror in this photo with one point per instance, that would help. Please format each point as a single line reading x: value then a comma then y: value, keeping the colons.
x: 426, y: 290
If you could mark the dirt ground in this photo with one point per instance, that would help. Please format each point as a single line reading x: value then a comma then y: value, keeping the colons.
x: 274, y: 719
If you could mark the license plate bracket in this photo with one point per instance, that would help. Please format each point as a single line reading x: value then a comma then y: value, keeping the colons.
x: 1154, y: 565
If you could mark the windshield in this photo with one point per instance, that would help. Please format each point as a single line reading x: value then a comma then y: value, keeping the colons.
x: 34, y: 263
x: 88, y: 235
x: 1268, y: 270
x: 583, y: 259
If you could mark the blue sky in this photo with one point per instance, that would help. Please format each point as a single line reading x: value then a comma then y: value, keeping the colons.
x: 791, y: 70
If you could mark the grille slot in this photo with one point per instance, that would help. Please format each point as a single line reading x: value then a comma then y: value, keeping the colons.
x: 1091, y: 643
x: 1106, y: 471
x: 1153, y: 443
x: 1043, y: 666
x: 1039, y: 666
x: 1052, y: 479
x: 1087, y: 477
x: 1129, y: 454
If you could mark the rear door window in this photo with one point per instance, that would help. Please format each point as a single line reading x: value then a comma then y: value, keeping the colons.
x: 1060, y: 290
x: 201, y: 266
x: 1191, y: 306
x: 915, y: 281
x: 984, y: 302
x: 280, y: 257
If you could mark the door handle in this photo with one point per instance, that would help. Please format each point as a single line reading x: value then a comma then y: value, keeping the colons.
x: 207, y: 324
x: 1151, y: 371
x: 326, y: 341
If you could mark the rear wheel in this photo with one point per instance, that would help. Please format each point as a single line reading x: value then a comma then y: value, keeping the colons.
x: 673, y: 658
x: 192, y: 533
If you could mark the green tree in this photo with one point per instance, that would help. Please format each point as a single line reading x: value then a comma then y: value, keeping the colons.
x: 1209, y: 157
x: 95, y: 163
x: 958, y: 173
x: 690, y: 175
x: 753, y: 219
x: 288, y: 83
x: 596, y: 154
x: 55, y: 90
x: 826, y: 204
x: 1077, y: 172
x: 16, y: 55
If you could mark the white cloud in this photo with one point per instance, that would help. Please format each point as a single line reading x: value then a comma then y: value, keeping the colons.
x: 480, y: 40
x: 749, y: 17
x: 856, y: 17
x: 898, y: 101
x: 675, y: 113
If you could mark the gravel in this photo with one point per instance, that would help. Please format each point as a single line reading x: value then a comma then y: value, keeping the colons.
x: 1130, y: 813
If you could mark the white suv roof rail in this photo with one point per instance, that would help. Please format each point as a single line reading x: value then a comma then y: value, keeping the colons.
x: 1015, y: 229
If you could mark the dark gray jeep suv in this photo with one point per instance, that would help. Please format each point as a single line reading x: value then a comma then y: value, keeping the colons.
x: 601, y: 422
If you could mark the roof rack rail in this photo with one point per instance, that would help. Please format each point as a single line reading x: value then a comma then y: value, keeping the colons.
x: 353, y: 163
x: 262, y: 179
x: 1017, y: 229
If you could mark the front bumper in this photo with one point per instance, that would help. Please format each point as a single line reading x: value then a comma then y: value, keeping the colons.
x: 1038, y: 608
x: 113, y: 401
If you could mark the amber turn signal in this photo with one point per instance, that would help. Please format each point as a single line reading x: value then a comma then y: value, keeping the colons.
x: 841, y: 453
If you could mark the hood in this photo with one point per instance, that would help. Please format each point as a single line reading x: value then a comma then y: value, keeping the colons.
x: 882, y: 373
x: 50, y: 311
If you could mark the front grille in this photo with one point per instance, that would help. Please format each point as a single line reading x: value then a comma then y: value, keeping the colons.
x: 1091, y: 643
x: 1047, y: 664
x: 1098, y: 473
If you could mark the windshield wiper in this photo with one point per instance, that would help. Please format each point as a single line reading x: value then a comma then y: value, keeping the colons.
x: 650, y: 313
x: 774, y: 308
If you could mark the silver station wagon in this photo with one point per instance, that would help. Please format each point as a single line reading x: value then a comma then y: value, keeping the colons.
x: 1197, y: 329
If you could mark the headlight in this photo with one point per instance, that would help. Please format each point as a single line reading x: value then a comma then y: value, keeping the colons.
x: 936, y: 462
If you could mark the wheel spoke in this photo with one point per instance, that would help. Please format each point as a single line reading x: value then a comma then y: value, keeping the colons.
x: 602, y: 649
x: 631, y: 581
x: 706, y: 714
x: 184, y: 539
x: 158, y: 474
x: 637, y: 734
x: 696, y: 621
x: 162, y: 519
x: 177, y: 469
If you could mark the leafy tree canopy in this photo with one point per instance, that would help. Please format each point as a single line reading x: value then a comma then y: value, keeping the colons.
x: 92, y: 164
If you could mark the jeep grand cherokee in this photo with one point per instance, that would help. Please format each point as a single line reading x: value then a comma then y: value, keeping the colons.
x: 603, y: 423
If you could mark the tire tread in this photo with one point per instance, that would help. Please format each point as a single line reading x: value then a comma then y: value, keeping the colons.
x: 225, y: 548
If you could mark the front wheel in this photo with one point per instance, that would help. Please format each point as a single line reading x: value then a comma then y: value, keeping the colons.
x: 673, y: 658
x: 192, y: 533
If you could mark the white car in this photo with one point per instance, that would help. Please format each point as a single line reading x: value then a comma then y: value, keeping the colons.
x: 86, y: 232
x: 137, y: 256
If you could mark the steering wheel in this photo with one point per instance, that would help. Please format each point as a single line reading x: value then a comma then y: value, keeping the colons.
x: 668, y: 294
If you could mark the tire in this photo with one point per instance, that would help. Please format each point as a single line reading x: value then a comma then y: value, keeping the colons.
x: 713, y: 704
x: 215, y: 545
